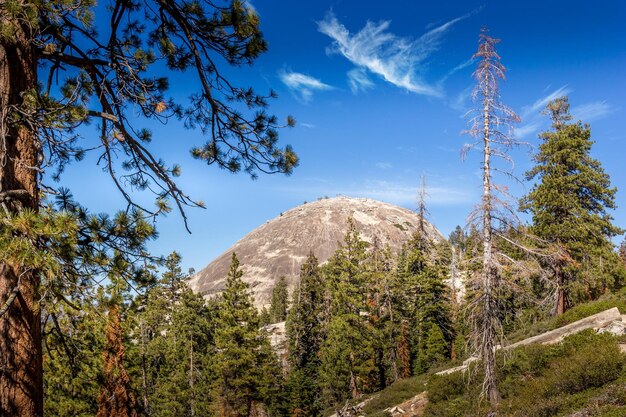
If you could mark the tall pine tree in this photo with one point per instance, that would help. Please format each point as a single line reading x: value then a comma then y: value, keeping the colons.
x: 347, y: 353
x: 116, y: 398
x: 245, y: 363
x: 174, y: 349
x: 305, y: 326
x: 570, y: 206
x: 280, y: 301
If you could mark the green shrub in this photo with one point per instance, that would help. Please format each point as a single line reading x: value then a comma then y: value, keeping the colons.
x: 579, y: 312
x: 395, y: 394
x: 582, y: 362
x: 458, y: 407
x: 446, y: 387
x: 541, y: 381
x: 592, y: 366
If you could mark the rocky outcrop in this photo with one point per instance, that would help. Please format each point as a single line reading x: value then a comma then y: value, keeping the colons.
x: 413, y: 407
x: 280, y: 246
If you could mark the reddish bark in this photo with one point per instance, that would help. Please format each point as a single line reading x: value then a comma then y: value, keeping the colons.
x: 116, y: 398
x: 21, y: 384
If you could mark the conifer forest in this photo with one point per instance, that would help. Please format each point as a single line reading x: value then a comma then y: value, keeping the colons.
x: 471, y: 261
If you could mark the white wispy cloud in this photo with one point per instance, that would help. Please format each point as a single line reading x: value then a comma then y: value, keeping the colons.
x: 358, y: 80
x: 461, y: 101
x: 396, y: 192
x: 532, y: 119
x: 384, y: 165
x: 406, y: 194
x: 399, y: 61
x: 541, y: 103
x: 527, y: 129
x: 302, y: 85
x: 456, y: 69
x: 592, y: 111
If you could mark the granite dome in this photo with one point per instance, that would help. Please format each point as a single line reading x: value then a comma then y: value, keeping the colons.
x: 281, y: 245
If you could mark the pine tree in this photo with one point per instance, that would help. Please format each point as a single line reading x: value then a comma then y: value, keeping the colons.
x: 280, y: 301
x: 242, y: 360
x: 72, y: 359
x: 60, y: 72
x: 423, y: 299
x: 436, y: 347
x: 622, y: 252
x: 305, y: 326
x: 116, y: 398
x: 570, y: 207
x: 347, y: 353
x: 380, y: 313
x: 173, y: 354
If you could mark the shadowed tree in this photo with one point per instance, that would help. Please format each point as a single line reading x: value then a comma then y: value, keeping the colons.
x: 305, y: 335
x: 62, y: 68
x: 280, y: 301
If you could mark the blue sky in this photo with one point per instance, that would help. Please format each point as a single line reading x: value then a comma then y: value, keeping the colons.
x: 379, y: 93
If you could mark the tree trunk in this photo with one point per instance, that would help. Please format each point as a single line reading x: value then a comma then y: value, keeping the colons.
x: 21, y: 379
x: 490, y: 274
x: 561, y: 304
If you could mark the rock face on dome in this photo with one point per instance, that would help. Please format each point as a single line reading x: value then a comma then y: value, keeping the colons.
x: 281, y: 245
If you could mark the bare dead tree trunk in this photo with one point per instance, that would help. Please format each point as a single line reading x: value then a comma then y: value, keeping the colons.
x: 354, y: 389
x: 21, y: 382
x: 490, y: 273
x: 421, y: 197
x: 492, y: 129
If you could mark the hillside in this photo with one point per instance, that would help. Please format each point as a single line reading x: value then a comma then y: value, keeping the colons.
x: 278, y: 247
x: 580, y: 374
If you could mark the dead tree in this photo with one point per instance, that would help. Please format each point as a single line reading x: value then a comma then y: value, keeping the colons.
x: 422, y: 211
x: 491, y: 127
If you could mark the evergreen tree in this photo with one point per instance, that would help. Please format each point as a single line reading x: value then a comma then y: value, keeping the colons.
x: 347, y: 354
x: 380, y: 312
x: 72, y: 361
x: 436, y: 348
x: 175, y: 348
x: 244, y: 359
x: 116, y: 398
x: 81, y: 248
x: 570, y: 206
x: 265, y: 317
x: 457, y: 238
x: 423, y: 299
x: 305, y: 334
x: 280, y: 301
x: 61, y: 72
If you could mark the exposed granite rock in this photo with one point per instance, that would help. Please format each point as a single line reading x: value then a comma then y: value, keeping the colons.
x: 281, y: 245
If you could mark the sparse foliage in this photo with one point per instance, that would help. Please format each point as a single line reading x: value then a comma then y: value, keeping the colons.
x: 491, y: 126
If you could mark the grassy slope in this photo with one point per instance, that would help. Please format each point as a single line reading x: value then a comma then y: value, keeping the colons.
x: 586, y: 373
